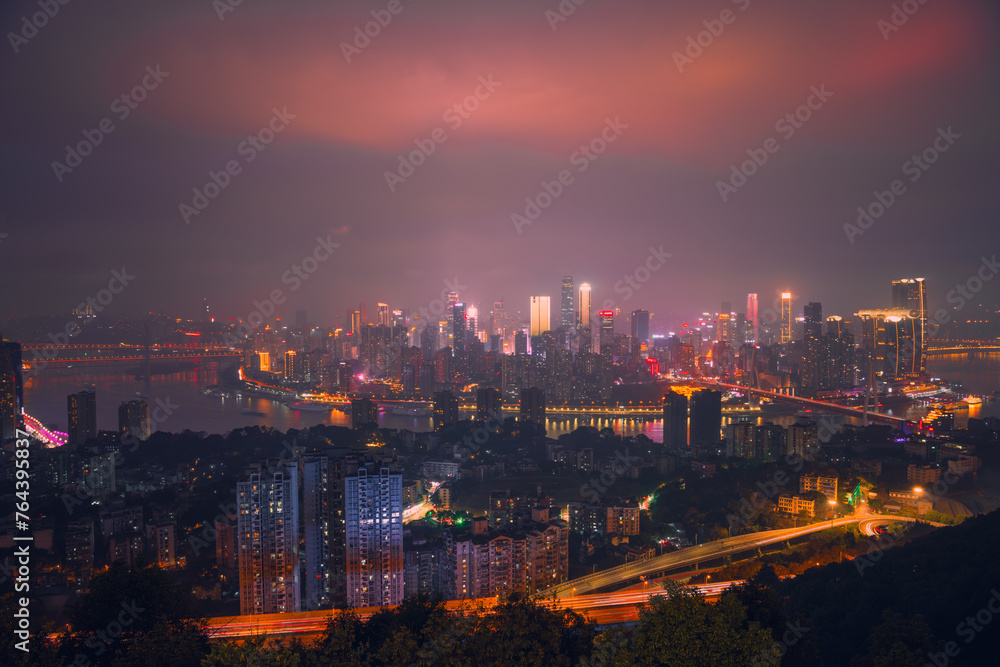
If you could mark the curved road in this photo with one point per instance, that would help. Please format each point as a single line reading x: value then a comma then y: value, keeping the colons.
x: 703, y: 552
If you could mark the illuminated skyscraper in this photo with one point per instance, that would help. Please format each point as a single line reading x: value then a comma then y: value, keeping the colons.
x: 459, y: 327
x: 607, y: 332
x: 10, y: 388
x: 640, y: 326
x: 568, y: 312
x: 383, y: 314
x: 583, y: 314
x: 753, y: 317
x: 316, y: 514
x: 812, y: 348
x: 532, y: 406
x: 133, y: 420
x: 786, y: 317
x: 81, y: 416
x: 911, y: 294
x: 540, y: 309
x: 472, y: 320
x: 892, y: 338
x: 499, y: 326
x: 267, y: 501
x: 364, y: 413
x: 724, y: 327
x: 373, y: 517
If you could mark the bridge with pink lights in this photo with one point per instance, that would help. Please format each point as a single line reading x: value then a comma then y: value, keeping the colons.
x: 48, y: 436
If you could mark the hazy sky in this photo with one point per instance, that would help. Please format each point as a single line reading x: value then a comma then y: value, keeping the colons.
x: 630, y: 79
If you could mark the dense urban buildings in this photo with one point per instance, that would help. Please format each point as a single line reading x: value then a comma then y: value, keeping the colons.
x: 373, y: 517
x: 268, y: 525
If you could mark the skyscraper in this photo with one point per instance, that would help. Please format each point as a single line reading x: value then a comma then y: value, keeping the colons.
x: 812, y: 348
x: 472, y: 320
x: 583, y: 314
x: 640, y: 326
x: 499, y: 325
x: 706, y: 417
x: 786, y: 317
x: 10, y: 388
x: 81, y: 416
x: 133, y: 420
x: 382, y: 314
x: 532, y: 408
x: 316, y: 511
x: 607, y: 332
x: 752, y: 317
x: 364, y: 413
x: 911, y: 294
x: 540, y: 310
x: 488, y: 404
x: 568, y: 312
x: 373, y: 513
x: 459, y: 327
x: 267, y: 501
x: 675, y: 420
x: 891, y: 336
x: 445, y: 410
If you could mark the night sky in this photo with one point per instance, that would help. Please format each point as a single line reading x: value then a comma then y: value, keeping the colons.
x: 888, y: 92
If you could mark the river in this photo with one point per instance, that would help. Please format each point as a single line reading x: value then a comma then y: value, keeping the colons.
x: 45, y: 399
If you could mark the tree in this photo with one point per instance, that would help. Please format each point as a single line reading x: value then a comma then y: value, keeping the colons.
x: 897, y: 641
x: 681, y: 628
x: 519, y: 631
x: 343, y: 642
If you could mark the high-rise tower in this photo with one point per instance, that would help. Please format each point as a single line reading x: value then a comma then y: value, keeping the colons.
x: 583, y: 313
x: 540, y: 309
x: 753, y: 317
x: 373, y: 517
x: 267, y: 501
x: 567, y: 311
x: 81, y: 419
x: 911, y: 294
x: 786, y: 317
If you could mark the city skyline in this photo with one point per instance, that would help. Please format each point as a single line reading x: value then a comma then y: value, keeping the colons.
x: 550, y: 332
